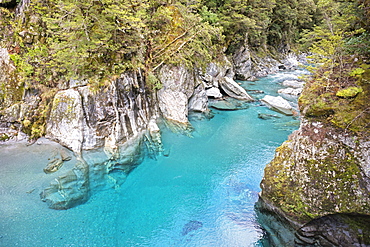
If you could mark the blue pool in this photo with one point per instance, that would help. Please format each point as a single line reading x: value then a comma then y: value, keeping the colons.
x: 201, y: 194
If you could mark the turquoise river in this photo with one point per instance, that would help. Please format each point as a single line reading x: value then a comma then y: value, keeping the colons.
x: 201, y: 194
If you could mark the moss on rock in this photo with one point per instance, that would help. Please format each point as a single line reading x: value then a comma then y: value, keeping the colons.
x: 320, y: 171
x: 350, y: 92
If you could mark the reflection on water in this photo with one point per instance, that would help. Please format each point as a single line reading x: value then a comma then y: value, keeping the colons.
x: 206, y: 188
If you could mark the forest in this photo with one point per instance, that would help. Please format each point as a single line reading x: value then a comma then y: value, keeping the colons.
x: 97, y: 40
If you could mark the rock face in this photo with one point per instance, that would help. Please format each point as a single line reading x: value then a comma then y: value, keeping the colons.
x: 183, y: 90
x: 114, y: 119
x: 65, y: 124
x: 81, y: 119
x: 321, y: 170
x: 178, y: 87
x: 243, y: 64
x: 248, y: 65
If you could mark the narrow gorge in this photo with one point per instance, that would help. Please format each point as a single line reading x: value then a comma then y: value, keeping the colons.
x: 161, y: 117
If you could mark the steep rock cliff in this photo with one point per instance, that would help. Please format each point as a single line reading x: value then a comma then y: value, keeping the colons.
x: 318, y: 184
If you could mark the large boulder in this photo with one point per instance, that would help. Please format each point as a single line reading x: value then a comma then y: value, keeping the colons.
x: 214, y: 92
x: 278, y: 104
x: 291, y: 91
x: 293, y: 83
x: 232, y: 89
x: 199, y: 100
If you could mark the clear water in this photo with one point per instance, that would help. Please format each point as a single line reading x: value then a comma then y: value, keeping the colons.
x: 202, y: 194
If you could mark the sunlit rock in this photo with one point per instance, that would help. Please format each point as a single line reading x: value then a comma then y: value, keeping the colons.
x: 65, y: 123
x: 278, y: 104
x: 291, y: 91
x: 213, y: 92
x: 293, y: 83
x: 178, y: 86
x: 232, y: 89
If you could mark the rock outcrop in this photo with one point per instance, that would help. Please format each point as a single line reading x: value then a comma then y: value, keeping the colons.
x: 320, y: 171
x: 81, y: 119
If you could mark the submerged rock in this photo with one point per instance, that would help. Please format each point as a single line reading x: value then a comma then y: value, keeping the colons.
x: 265, y: 116
x: 68, y: 190
x: 191, y: 226
x: 228, y: 104
x: 53, y: 165
x: 96, y: 170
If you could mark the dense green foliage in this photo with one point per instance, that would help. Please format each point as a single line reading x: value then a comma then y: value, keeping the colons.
x: 340, y: 87
x: 98, y: 40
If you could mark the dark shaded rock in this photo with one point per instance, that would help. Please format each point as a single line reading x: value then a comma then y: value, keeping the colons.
x: 340, y: 230
x: 335, y: 230
x: 8, y: 3
x: 243, y: 63
x: 191, y: 226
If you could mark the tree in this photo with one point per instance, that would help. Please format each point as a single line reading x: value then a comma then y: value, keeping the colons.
x: 99, y: 39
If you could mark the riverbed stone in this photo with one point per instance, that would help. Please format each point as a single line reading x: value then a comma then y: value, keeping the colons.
x: 291, y: 91
x: 293, y: 83
x: 278, y: 104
